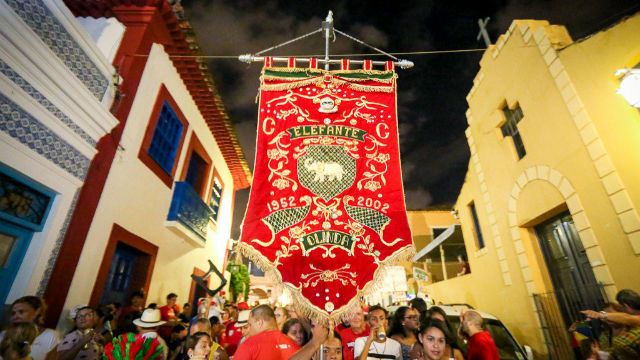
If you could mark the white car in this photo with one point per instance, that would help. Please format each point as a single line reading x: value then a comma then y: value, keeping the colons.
x: 508, y: 347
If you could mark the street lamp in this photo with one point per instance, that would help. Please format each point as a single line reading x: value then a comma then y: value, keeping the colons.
x: 630, y: 86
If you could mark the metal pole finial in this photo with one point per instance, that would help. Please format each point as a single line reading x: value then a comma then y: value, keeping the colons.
x: 327, y: 27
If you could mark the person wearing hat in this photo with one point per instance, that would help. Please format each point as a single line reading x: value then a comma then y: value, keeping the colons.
x: 148, y: 325
x: 243, y: 324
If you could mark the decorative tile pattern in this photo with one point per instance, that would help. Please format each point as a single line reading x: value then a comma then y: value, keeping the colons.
x: 24, y: 85
x: 51, y: 262
x: 20, y: 125
x: 42, y: 21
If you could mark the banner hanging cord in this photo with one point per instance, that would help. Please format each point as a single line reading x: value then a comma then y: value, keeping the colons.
x: 336, y: 55
x: 365, y: 44
x: 287, y: 42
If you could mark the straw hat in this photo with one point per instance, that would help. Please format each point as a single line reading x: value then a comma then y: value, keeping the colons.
x: 243, y: 318
x: 150, y: 318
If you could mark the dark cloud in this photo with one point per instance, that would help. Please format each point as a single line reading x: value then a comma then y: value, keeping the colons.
x: 431, y: 96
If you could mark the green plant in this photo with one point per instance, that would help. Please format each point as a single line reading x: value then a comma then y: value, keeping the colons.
x: 239, y: 282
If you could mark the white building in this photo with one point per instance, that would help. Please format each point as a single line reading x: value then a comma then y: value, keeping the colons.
x: 158, y: 203
x: 56, y: 88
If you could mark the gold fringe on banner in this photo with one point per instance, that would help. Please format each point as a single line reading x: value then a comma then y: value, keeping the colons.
x: 294, y: 83
x: 319, y: 81
x: 290, y: 85
x: 304, y: 307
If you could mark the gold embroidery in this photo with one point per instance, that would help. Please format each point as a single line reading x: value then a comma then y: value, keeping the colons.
x: 342, y: 275
x: 275, y: 155
x: 369, y: 177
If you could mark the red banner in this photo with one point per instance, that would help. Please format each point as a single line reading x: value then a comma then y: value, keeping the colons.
x: 326, y: 213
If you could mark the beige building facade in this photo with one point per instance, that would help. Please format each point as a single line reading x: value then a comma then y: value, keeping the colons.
x: 549, y: 207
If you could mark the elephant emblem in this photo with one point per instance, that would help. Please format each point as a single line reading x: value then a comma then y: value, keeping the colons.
x: 330, y: 170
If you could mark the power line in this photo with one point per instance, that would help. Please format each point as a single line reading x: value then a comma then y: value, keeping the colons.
x: 432, y: 52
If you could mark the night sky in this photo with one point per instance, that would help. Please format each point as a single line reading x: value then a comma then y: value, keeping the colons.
x: 431, y: 95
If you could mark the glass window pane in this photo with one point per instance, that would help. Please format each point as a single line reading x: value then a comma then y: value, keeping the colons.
x: 517, y: 141
x: 476, y: 223
x: 7, y: 243
x: 518, y: 113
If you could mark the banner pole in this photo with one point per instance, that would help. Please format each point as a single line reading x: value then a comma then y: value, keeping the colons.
x: 327, y: 26
x: 248, y: 58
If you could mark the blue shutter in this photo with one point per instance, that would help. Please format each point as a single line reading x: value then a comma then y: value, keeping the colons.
x: 166, y: 138
x: 216, y: 195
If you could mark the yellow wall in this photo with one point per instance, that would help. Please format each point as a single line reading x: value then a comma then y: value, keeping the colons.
x: 583, y: 154
x: 422, y: 223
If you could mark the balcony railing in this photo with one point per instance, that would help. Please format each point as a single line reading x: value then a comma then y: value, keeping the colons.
x: 188, y: 208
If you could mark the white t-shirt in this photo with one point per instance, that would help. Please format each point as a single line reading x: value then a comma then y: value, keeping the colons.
x: 45, y: 342
x: 390, y: 349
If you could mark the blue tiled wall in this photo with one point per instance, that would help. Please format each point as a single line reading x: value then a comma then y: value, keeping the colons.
x: 42, y: 21
x: 22, y: 126
x: 22, y: 83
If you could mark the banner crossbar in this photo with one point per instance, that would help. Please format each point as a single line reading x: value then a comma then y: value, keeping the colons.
x: 248, y: 58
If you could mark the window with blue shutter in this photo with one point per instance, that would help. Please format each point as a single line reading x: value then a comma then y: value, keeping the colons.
x: 166, y: 138
x: 216, y: 195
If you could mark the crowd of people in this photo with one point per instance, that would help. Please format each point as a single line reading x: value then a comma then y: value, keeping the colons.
x: 262, y: 332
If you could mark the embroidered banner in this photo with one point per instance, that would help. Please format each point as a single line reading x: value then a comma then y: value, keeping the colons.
x: 326, y: 214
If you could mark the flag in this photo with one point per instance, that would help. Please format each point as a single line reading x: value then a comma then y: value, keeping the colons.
x: 326, y: 216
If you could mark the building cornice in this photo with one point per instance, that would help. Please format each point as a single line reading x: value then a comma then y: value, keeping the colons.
x: 183, y: 51
x: 36, y: 63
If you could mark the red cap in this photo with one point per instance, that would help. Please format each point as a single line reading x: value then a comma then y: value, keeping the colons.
x: 243, y: 306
